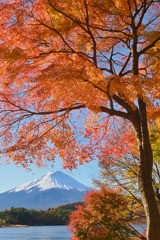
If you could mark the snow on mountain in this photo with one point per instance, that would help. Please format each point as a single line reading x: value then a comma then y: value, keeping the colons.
x: 51, y: 180
x: 50, y: 190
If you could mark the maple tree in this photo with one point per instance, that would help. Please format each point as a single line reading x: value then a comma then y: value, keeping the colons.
x: 63, y: 63
x: 103, y: 216
x: 123, y: 171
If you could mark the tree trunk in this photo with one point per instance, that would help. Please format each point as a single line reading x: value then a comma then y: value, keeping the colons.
x: 149, y: 201
x: 145, y: 175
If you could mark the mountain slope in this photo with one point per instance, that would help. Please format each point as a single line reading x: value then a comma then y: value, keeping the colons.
x: 51, y: 190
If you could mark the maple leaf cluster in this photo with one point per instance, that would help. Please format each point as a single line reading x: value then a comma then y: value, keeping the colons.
x: 58, y: 57
x: 103, y: 216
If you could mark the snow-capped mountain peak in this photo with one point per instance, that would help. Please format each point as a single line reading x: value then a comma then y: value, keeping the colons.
x: 51, y: 190
x: 55, y: 179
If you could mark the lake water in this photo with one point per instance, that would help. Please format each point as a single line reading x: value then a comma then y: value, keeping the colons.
x: 42, y: 233
x: 35, y: 233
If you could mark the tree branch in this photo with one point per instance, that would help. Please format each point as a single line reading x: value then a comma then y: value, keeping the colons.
x: 149, y: 46
x: 113, y: 112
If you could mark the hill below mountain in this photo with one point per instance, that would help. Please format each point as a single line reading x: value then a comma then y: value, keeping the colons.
x: 30, y: 217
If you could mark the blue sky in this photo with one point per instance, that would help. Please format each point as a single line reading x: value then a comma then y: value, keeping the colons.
x: 12, y: 176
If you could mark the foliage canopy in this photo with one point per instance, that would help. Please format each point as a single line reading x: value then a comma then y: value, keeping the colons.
x: 69, y: 72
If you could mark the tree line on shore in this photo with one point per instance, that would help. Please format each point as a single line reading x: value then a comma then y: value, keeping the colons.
x: 31, y: 217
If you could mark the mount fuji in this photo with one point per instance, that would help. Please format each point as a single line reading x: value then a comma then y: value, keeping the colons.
x: 51, y: 190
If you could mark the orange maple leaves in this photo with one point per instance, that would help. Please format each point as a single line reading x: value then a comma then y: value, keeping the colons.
x: 60, y: 57
x: 103, y: 216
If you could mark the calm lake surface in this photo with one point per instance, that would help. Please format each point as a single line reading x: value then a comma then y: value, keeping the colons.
x: 35, y: 233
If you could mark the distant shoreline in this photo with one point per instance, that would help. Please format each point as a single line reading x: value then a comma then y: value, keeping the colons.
x: 13, y: 225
